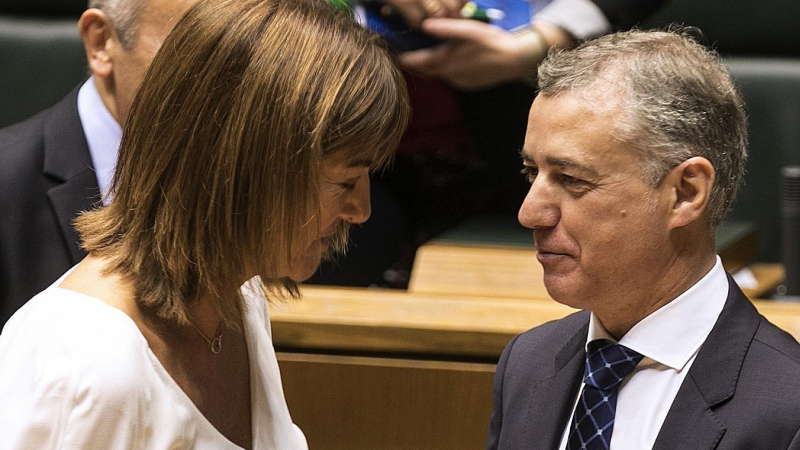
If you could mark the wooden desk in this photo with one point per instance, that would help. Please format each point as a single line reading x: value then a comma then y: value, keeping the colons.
x: 426, y: 383
x: 423, y: 379
x: 388, y: 321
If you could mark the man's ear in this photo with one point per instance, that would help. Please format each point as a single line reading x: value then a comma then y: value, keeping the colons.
x: 97, y: 35
x: 690, y: 186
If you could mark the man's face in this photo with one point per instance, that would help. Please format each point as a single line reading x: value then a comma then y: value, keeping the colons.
x: 157, y: 19
x: 344, y: 199
x: 601, y: 230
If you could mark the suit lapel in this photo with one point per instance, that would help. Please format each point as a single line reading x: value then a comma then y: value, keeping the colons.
x: 555, y: 396
x: 67, y: 159
x: 712, y: 379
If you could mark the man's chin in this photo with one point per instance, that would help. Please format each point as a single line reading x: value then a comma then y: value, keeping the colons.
x: 563, y: 291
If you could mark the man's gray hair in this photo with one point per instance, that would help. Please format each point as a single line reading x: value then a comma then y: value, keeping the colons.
x: 124, y: 17
x: 678, y: 101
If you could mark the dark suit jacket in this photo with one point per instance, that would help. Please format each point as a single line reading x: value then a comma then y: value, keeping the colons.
x: 46, y: 179
x: 742, y: 391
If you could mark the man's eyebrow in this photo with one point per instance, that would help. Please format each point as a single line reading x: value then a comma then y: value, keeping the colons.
x: 564, y: 163
x: 525, y: 157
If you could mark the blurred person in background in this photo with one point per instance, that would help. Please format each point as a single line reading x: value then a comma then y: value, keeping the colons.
x: 60, y: 162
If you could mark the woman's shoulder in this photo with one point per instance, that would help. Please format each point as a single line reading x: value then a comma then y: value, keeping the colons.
x: 76, y: 363
x: 73, y: 334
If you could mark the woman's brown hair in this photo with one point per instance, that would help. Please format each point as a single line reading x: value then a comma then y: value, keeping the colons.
x: 219, y: 166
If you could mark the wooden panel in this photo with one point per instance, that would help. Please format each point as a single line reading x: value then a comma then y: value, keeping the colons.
x: 386, y: 320
x: 477, y: 270
x: 390, y: 321
x: 504, y: 271
x: 783, y: 314
x: 768, y: 276
x: 357, y: 403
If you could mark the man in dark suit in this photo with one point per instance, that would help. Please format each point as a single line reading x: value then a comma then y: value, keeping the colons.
x: 59, y: 162
x: 635, y: 147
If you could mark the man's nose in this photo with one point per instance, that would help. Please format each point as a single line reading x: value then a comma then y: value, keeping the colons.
x: 539, y: 209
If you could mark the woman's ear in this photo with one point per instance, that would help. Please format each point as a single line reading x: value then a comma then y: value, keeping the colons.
x: 691, y: 183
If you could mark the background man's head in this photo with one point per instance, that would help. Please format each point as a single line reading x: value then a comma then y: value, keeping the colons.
x: 121, y: 37
x: 678, y: 99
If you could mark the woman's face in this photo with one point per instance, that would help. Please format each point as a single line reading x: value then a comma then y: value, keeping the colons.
x: 344, y: 200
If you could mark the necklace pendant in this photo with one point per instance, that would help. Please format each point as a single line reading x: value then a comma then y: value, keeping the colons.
x: 216, y: 344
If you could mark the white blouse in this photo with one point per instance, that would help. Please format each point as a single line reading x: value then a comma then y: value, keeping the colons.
x: 76, y: 373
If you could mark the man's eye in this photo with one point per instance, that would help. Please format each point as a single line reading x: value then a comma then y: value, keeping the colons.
x: 575, y: 185
x: 347, y: 186
x: 569, y: 181
x: 530, y: 173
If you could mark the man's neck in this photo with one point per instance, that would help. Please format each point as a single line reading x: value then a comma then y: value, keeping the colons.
x: 680, y: 275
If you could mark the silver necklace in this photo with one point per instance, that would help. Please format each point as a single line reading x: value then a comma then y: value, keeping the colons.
x: 216, y: 343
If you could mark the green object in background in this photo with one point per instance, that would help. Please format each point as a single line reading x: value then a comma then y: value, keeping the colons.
x: 341, y: 5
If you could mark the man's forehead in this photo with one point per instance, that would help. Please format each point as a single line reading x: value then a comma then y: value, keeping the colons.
x: 571, y: 131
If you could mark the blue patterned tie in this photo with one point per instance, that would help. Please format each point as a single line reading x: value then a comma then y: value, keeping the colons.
x: 606, y: 365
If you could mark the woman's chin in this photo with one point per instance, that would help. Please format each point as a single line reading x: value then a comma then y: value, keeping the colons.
x: 303, y: 268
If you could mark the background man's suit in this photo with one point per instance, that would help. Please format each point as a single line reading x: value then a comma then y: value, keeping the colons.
x: 46, y: 179
x: 737, y: 394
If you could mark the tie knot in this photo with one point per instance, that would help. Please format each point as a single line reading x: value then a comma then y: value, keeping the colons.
x: 608, y: 363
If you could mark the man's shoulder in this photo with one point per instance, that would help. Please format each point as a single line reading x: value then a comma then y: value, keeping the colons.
x: 777, y: 342
x: 549, y: 338
x: 765, y: 397
x: 22, y: 141
x: 23, y: 134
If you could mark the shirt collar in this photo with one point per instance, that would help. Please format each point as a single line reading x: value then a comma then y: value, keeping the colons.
x: 673, y: 334
x: 103, y: 134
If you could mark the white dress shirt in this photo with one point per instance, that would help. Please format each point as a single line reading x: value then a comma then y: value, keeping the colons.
x: 103, y: 134
x: 581, y: 18
x: 669, y: 339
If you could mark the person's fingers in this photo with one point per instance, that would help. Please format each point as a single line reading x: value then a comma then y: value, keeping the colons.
x: 457, y: 29
x: 422, y: 61
x: 413, y: 13
x: 452, y: 8
x: 434, y: 8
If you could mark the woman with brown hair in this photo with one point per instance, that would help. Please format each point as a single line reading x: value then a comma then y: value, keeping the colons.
x: 246, y: 156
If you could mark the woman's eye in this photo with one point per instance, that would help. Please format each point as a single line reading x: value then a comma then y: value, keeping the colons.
x: 530, y: 173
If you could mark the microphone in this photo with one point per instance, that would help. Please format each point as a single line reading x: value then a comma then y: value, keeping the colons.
x: 790, y: 228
